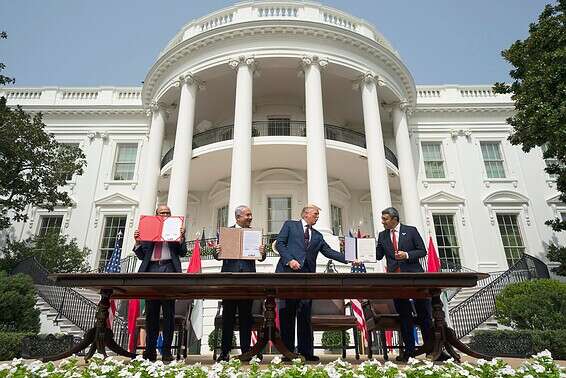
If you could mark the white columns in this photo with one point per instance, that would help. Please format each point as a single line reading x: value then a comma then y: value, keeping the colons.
x: 182, y: 154
x: 152, y: 162
x: 317, y: 180
x: 378, y: 181
x: 241, y: 176
x: 407, y: 174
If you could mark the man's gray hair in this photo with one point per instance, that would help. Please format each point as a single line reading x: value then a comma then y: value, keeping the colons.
x: 240, y: 209
x: 392, y: 212
x: 308, y: 208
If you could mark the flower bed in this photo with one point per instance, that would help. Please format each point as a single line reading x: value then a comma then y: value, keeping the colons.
x: 541, y: 365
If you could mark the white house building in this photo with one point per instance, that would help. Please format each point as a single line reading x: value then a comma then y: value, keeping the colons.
x: 276, y: 104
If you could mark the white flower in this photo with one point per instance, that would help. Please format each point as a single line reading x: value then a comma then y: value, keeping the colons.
x: 481, y: 362
x: 276, y: 360
x: 544, y: 353
x: 507, y: 370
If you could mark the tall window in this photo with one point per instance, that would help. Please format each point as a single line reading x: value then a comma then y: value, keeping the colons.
x: 112, y: 225
x: 222, y: 217
x: 278, y: 126
x: 70, y: 175
x: 433, y: 160
x: 563, y: 216
x: 50, y: 224
x: 336, y: 213
x: 511, y: 237
x: 493, y: 160
x: 125, y: 164
x: 278, y: 211
x: 447, y: 241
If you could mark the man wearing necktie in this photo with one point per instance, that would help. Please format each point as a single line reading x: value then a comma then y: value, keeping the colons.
x: 402, y: 247
x: 298, y: 245
x: 160, y: 257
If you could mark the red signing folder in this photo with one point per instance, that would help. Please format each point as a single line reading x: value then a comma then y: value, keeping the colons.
x: 156, y: 228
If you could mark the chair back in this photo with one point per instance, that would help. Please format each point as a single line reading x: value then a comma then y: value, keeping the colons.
x: 183, y: 306
x: 383, y: 307
x: 328, y: 307
x: 257, y: 307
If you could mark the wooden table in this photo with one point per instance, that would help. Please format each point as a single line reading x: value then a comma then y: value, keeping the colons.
x: 267, y: 286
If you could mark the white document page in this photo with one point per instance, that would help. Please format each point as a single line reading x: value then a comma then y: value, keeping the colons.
x: 250, y: 244
x: 349, y: 248
x: 366, y: 250
x: 171, y: 229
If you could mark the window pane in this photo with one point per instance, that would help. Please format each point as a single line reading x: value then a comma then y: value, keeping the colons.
x: 222, y: 217
x: 493, y: 160
x: 447, y: 241
x: 510, y: 237
x: 336, y: 214
x: 125, y: 161
x: 50, y: 224
x: 279, y: 126
x: 112, y: 225
x: 433, y: 160
x: 278, y: 211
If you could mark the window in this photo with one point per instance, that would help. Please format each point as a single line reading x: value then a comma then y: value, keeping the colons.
x: 125, y: 161
x: 492, y: 159
x: 278, y: 126
x: 222, y: 217
x: 511, y: 237
x: 278, y: 211
x: 50, y: 224
x: 336, y: 214
x: 70, y: 175
x: 433, y: 160
x: 563, y: 216
x: 550, y: 162
x: 112, y: 225
x: 448, y: 246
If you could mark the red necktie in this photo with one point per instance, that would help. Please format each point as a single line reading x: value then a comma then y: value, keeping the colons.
x: 394, y: 240
x: 157, y: 251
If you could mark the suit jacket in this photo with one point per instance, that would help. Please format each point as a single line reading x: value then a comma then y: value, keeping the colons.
x: 145, y: 250
x: 410, y: 241
x: 238, y: 265
x: 291, y: 246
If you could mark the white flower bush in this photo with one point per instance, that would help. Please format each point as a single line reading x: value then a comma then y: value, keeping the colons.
x: 541, y: 365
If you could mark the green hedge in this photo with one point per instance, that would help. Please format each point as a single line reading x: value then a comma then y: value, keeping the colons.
x: 17, y: 304
x: 11, y: 345
x: 519, y: 343
x: 333, y: 339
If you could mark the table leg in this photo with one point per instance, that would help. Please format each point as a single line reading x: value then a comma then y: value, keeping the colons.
x: 444, y: 337
x: 98, y: 337
x: 268, y: 332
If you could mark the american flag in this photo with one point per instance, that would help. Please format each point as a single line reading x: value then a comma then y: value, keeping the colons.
x: 357, y: 309
x: 113, y: 266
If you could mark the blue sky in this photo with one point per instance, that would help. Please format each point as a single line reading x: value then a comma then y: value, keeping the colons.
x: 115, y: 42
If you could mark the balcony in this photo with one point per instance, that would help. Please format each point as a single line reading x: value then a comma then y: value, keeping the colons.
x: 280, y: 128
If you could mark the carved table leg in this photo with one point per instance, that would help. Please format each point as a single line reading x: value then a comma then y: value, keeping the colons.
x: 268, y: 332
x: 98, y: 337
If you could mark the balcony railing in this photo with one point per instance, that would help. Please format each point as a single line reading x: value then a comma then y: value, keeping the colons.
x: 280, y: 128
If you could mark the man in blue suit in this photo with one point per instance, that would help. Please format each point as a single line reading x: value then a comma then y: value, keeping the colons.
x: 160, y: 257
x: 243, y: 306
x: 402, y: 247
x: 298, y: 245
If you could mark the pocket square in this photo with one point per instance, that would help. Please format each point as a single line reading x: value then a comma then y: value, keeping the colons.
x: 403, y: 233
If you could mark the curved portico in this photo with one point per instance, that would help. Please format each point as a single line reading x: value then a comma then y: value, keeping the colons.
x: 353, y: 99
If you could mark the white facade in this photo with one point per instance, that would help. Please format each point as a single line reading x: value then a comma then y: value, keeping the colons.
x: 269, y: 100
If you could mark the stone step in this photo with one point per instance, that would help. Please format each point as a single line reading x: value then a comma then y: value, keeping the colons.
x: 56, y: 323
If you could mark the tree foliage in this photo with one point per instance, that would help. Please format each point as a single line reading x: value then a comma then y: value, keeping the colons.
x: 17, y: 304
x: 34, y: 165
x: 539, y: 92
x: 4, y: 79
x: 57, y: 253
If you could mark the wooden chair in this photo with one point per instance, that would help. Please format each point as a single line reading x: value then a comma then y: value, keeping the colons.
x: 330, y: 315
x: 381, y: 316
x: 257, y: 314
x: 182, y: 324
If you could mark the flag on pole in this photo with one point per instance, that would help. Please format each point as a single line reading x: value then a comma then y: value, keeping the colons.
x: 135, y: 308
x: 357, y: 309
x: 195, y: 266
x: 113, y: 266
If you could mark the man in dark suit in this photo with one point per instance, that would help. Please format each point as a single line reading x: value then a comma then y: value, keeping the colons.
x: 298, y: 245
x: 402, y: 247
x: 243, y: 306
x: 160, y: 257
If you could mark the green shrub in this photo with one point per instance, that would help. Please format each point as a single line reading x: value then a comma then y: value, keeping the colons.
x: 57, y: 253
x: 333, y: 339
x: 17, y: 301
x: 215, y: 338
x: 11, y: 345
x: 519, y: 343
x: 536, y: 305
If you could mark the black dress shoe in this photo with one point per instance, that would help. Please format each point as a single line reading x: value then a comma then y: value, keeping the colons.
x: 286, y: 359
x: 149, y: 356
x: 443, y: 356
x: 223, y: 357
x: 311, y: 358
x: 167, y: 358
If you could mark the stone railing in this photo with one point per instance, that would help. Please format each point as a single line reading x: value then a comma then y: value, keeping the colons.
x: 261, y: 10
x: 459, y: 94
x: 113, y: 96
x: 276, y: 129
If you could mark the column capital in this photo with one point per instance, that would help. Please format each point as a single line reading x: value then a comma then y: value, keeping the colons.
x: 402, y: 105
x: 243, y: 60
x: 190, y: 79
x: 307, y: 60
x: 156, y: 106
x: 367, y: 78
